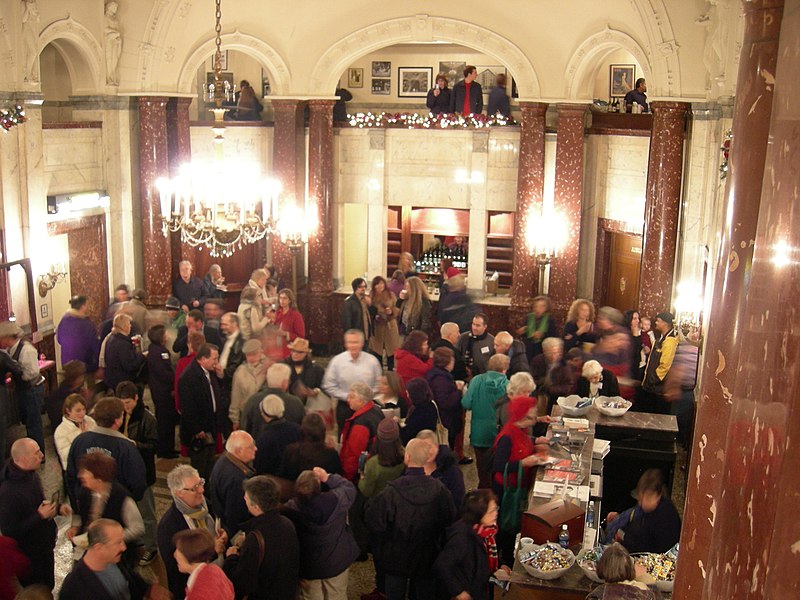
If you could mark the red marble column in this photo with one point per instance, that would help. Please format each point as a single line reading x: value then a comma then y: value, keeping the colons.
x: 567, y: 200
x: 288, y: 163
x: 320, y: 197
x: 154, y: 163
x: 530, y: 189
x: 725, y: 332
x: 754, y: 548
x: 179, y: 149
x: 662, y: 208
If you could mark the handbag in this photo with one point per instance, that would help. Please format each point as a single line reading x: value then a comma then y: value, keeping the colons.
x: 511, y: 503
x: 442, y: 434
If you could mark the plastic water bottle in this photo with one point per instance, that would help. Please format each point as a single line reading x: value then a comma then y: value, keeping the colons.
x: 590, y: 516
x: 563, y: 537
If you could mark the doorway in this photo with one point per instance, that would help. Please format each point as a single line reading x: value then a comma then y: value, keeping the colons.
x: 624, y: 263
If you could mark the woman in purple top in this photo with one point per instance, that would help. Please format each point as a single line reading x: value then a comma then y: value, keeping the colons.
x: 77, y: 335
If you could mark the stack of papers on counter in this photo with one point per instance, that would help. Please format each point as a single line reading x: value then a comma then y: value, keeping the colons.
x: 575, y: 423
x: 545, y: 489
x: 601, y: 448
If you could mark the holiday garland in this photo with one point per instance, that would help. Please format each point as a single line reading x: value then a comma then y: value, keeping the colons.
x: 10, y: 117
x: 429, y: 121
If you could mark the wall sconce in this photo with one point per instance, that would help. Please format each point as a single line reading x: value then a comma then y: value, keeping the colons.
x: 547, y: 236
x: 48, y: 281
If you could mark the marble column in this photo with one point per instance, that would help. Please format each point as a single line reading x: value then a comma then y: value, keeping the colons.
x: 320, y: 198
x: 567, y: 200
x: 154, y: 163
x: 179, y: 149
x: 754, y: 547
x: 288, y: 163
x: 726, y: 333
x: 662, y: 207
x: 530, y: 189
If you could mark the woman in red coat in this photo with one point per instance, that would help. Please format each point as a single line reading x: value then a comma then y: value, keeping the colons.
x: 194, y: 550
x: 289, y: 320
x: 413, y: 359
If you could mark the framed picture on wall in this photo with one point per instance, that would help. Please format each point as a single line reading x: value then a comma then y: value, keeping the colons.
x: 381, y: 87
x: 414, y: 82
x: 355, y: 78
x: 487, y: 75
x: 621, y: 80
x: 453, y: 69
x: 381, y: 68
x: 223, y: 60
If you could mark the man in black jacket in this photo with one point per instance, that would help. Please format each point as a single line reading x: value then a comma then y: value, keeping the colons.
x: 227, y: 477
x: 504, y: 343
x: 409, y: 518
x: 195, y: 322
x: 467, y: 96
x: 202, y: 408
x: 355, y: 310
x: 106, y: 438
x: 122, y: 360
x: 25, y: 515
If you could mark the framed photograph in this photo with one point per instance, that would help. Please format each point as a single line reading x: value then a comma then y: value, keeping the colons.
x: 381, y: 87
x: 487, y: 75
x: 355, y: 78
x: 224, y: 76
x: 223, y: 60
x: 381, y: 68
x: 414, y: 82
x: 621, y: 80
x: 44, y: 310
x: 454, y: 71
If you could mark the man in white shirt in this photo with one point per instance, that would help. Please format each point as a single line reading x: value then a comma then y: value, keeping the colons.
x: 29, y: 386
x: 351, y: 366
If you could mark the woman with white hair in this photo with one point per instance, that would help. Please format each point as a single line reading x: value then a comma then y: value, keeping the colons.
x: 596, y: 381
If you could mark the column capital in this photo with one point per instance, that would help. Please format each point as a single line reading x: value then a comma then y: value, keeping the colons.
x: 668, y: 106
x: 571, y: 107
x: 321, y: 103
x: 152, y: 100
x: 537, y: 108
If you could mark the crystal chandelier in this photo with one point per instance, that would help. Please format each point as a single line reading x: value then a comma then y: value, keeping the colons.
x: 219, y: 205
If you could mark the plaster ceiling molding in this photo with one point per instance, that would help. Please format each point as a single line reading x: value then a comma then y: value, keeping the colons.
x: 265, y: 55
x: 664, y: 78
x: 161, y: 15
x: 590, y: 56
x: 422, y: 28
x: 81, y: 53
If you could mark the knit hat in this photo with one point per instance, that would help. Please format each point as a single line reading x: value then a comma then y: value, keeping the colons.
x: 173, y: 303
x: 666, y: 317
x: 388, y: 431
x: 251, y: 346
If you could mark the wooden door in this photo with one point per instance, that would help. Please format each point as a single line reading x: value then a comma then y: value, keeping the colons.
x: 625, y: 258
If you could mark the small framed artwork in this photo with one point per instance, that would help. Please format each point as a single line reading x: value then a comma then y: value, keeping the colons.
x: 381, y: 87
x: 487, y: 76
x: 223, y: 60
x: 381, y: 68
x: 621, y: 80
x: 44, y: 310
x: 453, y: 69
x: 414, y: 82
x: 355, y: 78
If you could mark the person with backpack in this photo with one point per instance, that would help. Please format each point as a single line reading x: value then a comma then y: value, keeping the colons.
x: 359, y: 430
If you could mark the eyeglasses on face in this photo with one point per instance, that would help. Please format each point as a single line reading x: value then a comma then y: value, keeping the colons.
x: 196, y: 486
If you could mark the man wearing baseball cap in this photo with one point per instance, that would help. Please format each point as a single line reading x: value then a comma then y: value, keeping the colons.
x: 659, y: 363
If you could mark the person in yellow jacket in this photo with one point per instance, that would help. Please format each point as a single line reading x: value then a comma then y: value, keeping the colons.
x: 659, y: 363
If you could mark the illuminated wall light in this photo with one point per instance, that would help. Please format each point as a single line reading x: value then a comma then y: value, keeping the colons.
x: 782, y: 254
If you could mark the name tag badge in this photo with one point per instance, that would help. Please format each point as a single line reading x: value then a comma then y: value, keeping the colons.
x: 485, y: 350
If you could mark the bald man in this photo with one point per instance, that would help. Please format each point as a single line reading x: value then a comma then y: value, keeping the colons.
x: 410, y: 516
x: 25, y: 514
x: 504, y: 343
x: 227, y: 477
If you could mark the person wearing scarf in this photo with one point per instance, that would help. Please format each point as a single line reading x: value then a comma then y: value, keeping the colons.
x: 513, y: 446
x: 188, y: 511
x: 539, y: 325
x: 470, y: 554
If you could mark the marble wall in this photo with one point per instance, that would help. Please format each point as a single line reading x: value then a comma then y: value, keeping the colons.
x: 73, y: 160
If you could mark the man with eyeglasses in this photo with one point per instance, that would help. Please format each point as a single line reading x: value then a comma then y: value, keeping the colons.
x: 356, y: 309
x: 188, y: 511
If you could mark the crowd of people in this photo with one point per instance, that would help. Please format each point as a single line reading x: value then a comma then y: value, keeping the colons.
x: 296, y: 471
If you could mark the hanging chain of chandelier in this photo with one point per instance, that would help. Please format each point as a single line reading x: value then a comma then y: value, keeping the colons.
x: 221, y: 205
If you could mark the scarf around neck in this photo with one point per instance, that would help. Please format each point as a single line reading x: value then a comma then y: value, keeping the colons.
x: 200, y: 516
x: 487, y: 533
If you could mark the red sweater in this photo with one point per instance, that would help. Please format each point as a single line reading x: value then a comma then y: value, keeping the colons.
x: 211, y: 583
x: 292, y: 322
x: 357, y: 435
x: 409, y: 366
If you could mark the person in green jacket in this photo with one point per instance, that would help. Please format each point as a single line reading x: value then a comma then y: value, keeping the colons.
x: 484, y: 390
